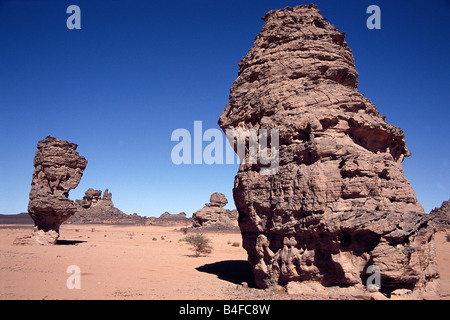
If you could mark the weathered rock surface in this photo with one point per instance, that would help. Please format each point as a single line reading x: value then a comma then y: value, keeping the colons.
x: 58, y: 169
x: 38, y: 238
x: 95, y: 208
x: 339, y: 201
x: 441, y: 216
x: 213, y: 216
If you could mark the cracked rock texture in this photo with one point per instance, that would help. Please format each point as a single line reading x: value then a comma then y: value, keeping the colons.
x: 339, y: 201
x: 58, y: 169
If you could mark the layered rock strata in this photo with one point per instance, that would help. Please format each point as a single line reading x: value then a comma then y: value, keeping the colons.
x: 339, y: 201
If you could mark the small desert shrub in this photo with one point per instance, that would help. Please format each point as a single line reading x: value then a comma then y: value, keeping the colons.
x: 235, y: 244
x: 200, y: 244
x: 154, y: 239
x: 447, y: 237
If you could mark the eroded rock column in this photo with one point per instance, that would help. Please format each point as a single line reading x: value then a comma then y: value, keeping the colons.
x: 339, y: 201
x: 58, y: 169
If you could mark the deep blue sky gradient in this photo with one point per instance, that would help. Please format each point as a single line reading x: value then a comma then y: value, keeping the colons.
x: 138, y: 70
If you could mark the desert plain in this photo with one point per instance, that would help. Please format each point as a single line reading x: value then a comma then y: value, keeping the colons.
x: 121, y: 262
x: 140, y: 262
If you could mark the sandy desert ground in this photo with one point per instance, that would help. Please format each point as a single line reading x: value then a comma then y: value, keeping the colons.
x: 137, y: 262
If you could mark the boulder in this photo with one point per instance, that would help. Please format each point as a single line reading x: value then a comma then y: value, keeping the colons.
x: 218, y: 200
x: 38, y: 238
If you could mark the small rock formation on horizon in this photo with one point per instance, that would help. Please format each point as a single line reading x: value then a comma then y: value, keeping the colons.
x: 169, y: 219
x: 95, y: 208
x: 58, y: 169
x: 339, y: 202
x: 213, y: 216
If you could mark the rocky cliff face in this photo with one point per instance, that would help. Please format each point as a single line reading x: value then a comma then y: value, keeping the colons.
x: 339, y: 201
x: 58, y: 169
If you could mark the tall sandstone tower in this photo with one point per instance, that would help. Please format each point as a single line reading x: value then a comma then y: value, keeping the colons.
x: 339, y: 202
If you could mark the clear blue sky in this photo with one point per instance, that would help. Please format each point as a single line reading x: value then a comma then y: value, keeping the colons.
x: 137, y: 70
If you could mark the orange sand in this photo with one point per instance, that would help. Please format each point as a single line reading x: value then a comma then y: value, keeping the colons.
x: 137, y: 262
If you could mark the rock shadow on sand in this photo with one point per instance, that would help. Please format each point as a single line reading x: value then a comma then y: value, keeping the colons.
x: 234, y: 271
x: 68, y: 242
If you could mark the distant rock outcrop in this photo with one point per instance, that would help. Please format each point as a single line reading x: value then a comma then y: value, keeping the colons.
x: 441, y: 216
x: 95, y: 208
x: 168, y: 219
x: 339, y: 202
x: 58, y: 169
x: 214, y: 217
